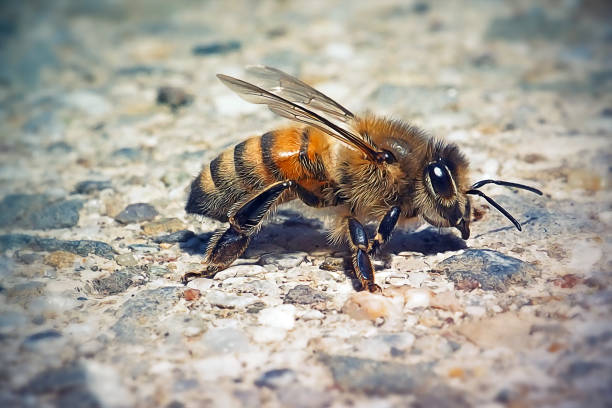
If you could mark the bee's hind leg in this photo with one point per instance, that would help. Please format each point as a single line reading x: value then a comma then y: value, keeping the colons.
x: 358, y: 241
x: 226, y: 246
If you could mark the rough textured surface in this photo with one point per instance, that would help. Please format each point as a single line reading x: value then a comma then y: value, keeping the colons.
x: 489, y: 270
x: 104, y: 104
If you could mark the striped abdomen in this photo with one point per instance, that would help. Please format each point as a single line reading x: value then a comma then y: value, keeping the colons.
x: 288, y: 154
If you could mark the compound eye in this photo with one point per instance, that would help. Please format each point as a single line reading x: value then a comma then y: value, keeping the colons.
x: 440, y: 179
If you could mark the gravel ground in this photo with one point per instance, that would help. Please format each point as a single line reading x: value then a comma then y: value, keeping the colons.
x: 108, y: 110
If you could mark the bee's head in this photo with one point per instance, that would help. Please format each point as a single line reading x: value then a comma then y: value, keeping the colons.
x: 445, y: 184
x: 447, y: 204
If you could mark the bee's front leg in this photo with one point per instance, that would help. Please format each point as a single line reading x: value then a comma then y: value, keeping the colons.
x: 358, y: 240
x: 385, y: 228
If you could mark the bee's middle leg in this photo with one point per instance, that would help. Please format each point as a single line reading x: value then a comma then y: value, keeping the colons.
x: 358, y: 240
x: 226, y: 246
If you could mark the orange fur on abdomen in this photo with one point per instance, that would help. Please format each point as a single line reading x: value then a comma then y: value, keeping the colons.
x: 240, y: 172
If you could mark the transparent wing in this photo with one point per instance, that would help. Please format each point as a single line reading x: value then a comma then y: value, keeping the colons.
x: 293, y: 111
x: 294, y: 90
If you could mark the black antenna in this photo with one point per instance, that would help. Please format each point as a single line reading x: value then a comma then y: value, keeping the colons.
x: 494, y: 204
x: 505, y: 183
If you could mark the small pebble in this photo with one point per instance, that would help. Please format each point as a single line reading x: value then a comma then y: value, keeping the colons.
x: 216, y: 48
x: 136, y: 213
x: 268, y: 334
x: 201, y: 284
x: 91, y: 186
x: 126, y: 260
x: 282, y: 317
x: 277, y: 378
x: 144, y: 248
x: 368, y: 306
x: 284, y: 260
x: 228, y: 300
x: 304, y: 295
x: 240, y: 270
x: 226, y: 340
x: 311, y: 314
x: 191, y: 294
x: 173, y: 97
x: 60, y: 259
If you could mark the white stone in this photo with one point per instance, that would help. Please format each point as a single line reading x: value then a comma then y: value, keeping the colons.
x: 225, y: 340
x: 284, y: 260
x: 212, y: 368
x: 201, y: 284
x: 240, y: 270
x: 106, y: 384
x: 311, y: 314
x: 268, y: 334
x: 476, y: 311
x: 281, y: 316
x: 415, y: 298
x: 229, y: 300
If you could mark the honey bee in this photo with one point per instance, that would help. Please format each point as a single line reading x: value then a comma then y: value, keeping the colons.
x: 368, y: 168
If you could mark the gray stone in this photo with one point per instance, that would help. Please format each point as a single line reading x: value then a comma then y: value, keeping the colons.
x: 129, y: 153
x: 27, y: 258
x: 216, y: 48
x: 283, y: 260
x: 178, y: 236
x: 80, y: 247
x: 135, y: 70
x: 113, y: 284
x: 144, y: 248
x: 47, y: 342
x: 59, y: 148
x: 136, y: 213
x: 157, y: 271
x: 304, y: 295
x: 44, y: 335
x: 64, y: 214
x: 35, y: 243
x: 91, y: 186
x: 38, y: 211
x: 57, y: 380
x: 126, y: 260
x: 173, y: 97
x: 277, y: 378
x: 490, y: 270
x: 25, y: 292
x: 579, y: 369
x: 139, y: 316
x: 376, y: 377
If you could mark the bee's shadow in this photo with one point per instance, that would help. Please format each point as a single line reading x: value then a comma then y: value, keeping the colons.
x: 292, y: 232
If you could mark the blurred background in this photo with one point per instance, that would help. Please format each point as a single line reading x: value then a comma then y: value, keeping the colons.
x: 88, y: 79
x: 105, y: 103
